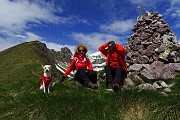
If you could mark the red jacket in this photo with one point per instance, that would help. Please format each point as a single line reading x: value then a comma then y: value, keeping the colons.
x: 47, y: 80
x: 79, y: 62
x: 115, y: 59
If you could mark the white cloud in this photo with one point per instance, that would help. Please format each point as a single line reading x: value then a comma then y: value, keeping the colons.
x: 174, y: 10
x: 27, y: 37
x: 118, y: 27
x: 6, y: 43
x: 146, y: 3
x: 177, y: 25
x: 15, y: 15
x: 137, y: 1
x: 31, y: 37
x: 176, y: 13
x: 175, y: 2
x: 57, y: 47
x: 149, y: 5
x: 94, y: 40
x: 21, y: 36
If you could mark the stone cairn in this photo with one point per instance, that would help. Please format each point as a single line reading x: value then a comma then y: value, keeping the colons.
x: 153, y: 52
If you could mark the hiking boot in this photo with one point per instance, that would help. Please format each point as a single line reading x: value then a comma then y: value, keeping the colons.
x: 116, y: 87
x: 95, y: 86
x: 92, y: 86
x: 71, y: 79
x: 109, y: 88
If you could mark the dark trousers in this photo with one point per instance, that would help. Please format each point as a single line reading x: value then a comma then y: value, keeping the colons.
x: 114, y: 75
x: 85, y: 76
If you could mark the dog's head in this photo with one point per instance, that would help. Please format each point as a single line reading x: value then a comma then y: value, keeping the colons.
x: 47, y: 68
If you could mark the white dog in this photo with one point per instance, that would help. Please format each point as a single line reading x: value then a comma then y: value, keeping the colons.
x: 46, y: 79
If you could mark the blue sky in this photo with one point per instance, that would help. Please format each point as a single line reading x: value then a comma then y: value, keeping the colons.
x: 67, y: 23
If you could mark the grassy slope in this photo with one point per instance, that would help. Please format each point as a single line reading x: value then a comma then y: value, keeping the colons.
x: 17, y: 65
x: 21, y: 99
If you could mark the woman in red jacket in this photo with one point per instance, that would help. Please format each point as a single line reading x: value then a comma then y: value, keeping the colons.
x: 83, y: 66
x: 115, y: 68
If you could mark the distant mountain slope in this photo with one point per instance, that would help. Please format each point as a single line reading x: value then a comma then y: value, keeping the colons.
x: 22, y: 64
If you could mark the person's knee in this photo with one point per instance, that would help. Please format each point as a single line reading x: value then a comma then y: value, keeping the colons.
x: 107, y: 67
x: 93, y: 73
x: 120, y: 69
x: 80, y: 69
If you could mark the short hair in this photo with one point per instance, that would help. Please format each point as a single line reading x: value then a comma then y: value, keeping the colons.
x: 112, y: 43
x: 81, y: 45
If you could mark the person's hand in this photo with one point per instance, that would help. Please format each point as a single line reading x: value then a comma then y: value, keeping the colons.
x: 62, y: 79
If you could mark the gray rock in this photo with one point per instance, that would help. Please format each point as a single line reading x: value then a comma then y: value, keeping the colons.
x: 128, y: 82
x: 167, y: 90
x: 158, y: 70
x: 146, y: 86
x: 142, y: 59
x: 135, y: 67
x: 160, y: 84
x: 157, y: 86
x: 161, y: 48
x: 175, y: 66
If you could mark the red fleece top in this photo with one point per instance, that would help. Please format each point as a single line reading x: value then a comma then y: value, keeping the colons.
x: 79, y: 62
x: 47, y: 80
x: 115, y: 59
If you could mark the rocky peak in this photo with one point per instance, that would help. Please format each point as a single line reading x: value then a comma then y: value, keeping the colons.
x: 44, y: 52
x: 64, y: 55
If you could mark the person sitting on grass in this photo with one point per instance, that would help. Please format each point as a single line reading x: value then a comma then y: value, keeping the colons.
x: 115, y: 68
x: 83, y: 66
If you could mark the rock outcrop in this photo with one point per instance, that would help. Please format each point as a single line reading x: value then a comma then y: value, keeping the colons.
x: 64, y: 55
x: 44, y: 52
x: 153, y: 51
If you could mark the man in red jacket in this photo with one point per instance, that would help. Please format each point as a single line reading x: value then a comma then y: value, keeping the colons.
x: 115, y: 68
x: 85, y: 74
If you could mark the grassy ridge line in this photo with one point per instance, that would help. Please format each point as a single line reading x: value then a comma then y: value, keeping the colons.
x: 17, y: 65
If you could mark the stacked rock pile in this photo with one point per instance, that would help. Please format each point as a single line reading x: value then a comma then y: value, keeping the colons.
x: 152, y: 41
x: 153, y: 51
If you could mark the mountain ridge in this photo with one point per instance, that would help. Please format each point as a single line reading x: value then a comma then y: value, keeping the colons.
x: 23, y: 64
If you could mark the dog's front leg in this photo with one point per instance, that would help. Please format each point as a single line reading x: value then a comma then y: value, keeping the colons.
x: 44, y: 86
x: 49, y: 87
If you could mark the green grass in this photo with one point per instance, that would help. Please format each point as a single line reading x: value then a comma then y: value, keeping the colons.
x: 20, y: 98
x: 69, y: 101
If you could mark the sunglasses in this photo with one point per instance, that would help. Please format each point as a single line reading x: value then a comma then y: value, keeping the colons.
x: 81, y: 51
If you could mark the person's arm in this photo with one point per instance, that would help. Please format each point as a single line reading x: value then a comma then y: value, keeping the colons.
x: 102, y: 49
x: 121, y: 50
x: 70, y: 68
x: 89, y: 65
